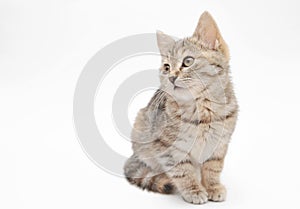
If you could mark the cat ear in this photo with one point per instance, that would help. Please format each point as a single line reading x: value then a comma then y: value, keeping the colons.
x: 164, y: 42
x: 207, y: 31
x: 208, y: 34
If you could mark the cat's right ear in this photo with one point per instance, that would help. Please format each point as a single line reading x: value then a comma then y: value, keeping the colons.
x: 164, y: 42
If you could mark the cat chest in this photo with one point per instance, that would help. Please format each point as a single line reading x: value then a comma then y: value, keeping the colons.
x: 199, y: 141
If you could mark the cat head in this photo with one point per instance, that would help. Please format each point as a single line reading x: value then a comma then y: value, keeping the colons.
x: 194, y: 64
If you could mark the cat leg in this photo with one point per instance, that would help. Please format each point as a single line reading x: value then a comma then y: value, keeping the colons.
x: 210, y: 175
x: 184, y: 177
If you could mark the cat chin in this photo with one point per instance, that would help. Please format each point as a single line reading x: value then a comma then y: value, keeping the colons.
x: 182, y: 95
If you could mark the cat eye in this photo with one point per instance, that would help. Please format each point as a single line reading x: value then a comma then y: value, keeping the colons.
x: 188, y: 61
x: 166, y: 67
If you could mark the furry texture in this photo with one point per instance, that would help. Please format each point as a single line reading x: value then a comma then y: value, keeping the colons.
x: 181, y: 138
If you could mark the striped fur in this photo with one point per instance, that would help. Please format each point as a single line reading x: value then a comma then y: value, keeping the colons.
x: 181, y: 138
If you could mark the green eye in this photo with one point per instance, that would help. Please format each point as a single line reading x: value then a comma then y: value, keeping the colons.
x: 188, y: 61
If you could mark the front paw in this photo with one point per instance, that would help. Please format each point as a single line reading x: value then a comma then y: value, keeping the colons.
x: 217, y: 193
x: 195, y: 197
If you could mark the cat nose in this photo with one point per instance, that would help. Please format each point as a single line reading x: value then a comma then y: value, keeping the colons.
x: 172, y: 79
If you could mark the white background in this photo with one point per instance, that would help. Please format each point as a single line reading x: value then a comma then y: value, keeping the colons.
x: 44, y: 45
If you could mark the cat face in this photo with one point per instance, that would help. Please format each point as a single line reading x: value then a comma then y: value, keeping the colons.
x: 190, y: 65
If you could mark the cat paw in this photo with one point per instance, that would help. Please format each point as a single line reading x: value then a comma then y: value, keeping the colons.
x: 217, y: 193
x: 195, y: 197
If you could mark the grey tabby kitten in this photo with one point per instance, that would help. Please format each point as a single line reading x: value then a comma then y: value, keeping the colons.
x: 181, y: 138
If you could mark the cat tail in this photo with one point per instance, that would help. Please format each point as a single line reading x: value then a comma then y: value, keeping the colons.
x: 140, y: 174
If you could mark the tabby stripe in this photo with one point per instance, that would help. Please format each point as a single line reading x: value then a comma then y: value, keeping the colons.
x: 161, y: 142
x: 179, y: 176
x: 198, y: 122
x: 231, y: 114
x: 211, y: 184
x: 150, y: 182
x: 170, y: 164
x: 194, y: 122
x: 166, y: 156
x: 214, y: 165
x: 214, y: 170
x: 214, y: 159
x: 184, y: 162
x: 192, y: 187
x: 228, y: 116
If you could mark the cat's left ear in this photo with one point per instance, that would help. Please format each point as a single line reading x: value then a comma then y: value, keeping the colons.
x: 164, y: 42
x: 208, y: 35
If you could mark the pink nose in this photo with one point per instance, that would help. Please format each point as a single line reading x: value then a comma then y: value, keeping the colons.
x: 172, y: 79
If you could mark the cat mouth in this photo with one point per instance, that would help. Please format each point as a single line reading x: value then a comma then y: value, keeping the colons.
x: 177, y: 87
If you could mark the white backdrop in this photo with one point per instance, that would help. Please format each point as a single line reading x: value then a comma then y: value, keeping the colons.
x: 44, y: 45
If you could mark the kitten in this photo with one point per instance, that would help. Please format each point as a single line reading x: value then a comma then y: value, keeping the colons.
x: 181, y: 138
